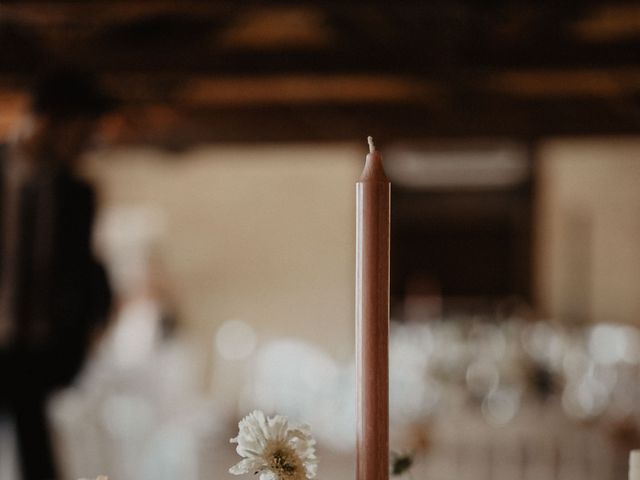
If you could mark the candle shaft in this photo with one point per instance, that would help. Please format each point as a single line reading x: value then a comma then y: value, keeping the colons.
x: 634, y: 465
x: 372, y: 320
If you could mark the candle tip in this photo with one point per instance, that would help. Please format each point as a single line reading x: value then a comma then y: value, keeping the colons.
x: 372, y: 147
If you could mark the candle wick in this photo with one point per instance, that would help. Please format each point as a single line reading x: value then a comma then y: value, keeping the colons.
x: 372, y: 147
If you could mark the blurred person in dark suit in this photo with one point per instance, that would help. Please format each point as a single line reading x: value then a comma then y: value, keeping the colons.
x: 53, y: 293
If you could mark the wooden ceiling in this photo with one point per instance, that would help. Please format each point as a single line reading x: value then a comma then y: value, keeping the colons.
x: 192, y: 71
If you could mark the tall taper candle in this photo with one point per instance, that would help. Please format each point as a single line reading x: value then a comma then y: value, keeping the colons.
x: 634, y: 465
x: 373, y: 193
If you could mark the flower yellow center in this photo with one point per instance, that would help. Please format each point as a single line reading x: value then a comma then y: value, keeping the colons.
x: 284, y: 463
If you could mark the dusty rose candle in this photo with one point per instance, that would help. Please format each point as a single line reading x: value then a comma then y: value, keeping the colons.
x: 373, y: 195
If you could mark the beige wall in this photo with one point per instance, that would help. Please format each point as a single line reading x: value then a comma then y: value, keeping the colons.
x: 588, y: 240
x: 262, y: 234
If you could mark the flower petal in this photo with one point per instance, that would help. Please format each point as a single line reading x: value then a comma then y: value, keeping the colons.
x: 279, y: 426
x: 268, y: 475
x: 247, y: 465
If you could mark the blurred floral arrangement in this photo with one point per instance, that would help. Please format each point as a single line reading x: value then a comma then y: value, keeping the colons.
x: 498, y: 372
x: 499, y: 365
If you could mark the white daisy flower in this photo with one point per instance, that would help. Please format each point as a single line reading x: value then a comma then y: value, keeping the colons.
x: 274, y: 449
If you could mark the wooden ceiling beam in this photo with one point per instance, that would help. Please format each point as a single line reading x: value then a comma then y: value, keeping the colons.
x: 408, y: 38
x: 188, y: 71
x: 182, y: 127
